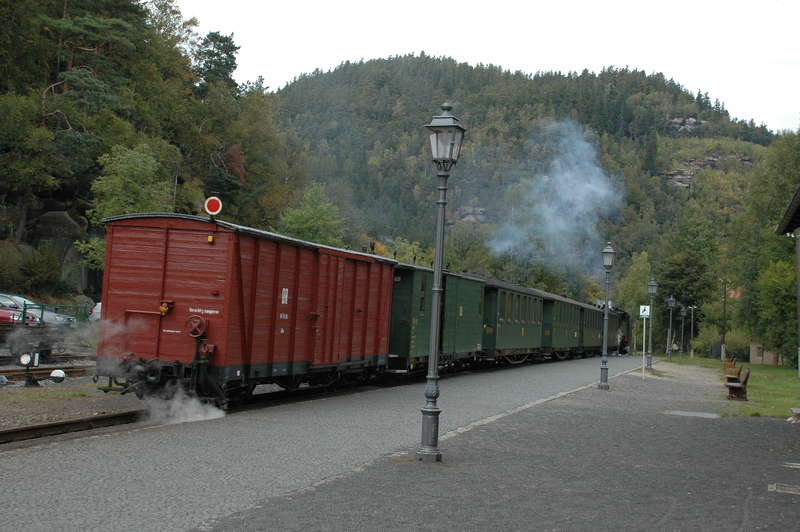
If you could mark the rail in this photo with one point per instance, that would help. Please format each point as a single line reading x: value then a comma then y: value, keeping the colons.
x: 66, y: 427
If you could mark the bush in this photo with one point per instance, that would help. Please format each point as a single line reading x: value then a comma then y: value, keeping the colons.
x: 40, y: 274
x: 10, y: 258
x: 737, y: 342
x: 702, y: 342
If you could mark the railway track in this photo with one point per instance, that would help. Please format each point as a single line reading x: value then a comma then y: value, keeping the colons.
x: 66, y: 427
x: 71, y: 371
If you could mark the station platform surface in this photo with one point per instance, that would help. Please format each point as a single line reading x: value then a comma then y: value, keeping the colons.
x: 650, y: 454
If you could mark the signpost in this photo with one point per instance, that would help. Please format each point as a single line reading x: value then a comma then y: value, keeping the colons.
x: 644, y: 313
x: 213, y: 205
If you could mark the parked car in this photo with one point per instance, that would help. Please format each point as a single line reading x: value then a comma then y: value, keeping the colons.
x: 11, y: 318
x: 94, y: 314
x: 14, y: 302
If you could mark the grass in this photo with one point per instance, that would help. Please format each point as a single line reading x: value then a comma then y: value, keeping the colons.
x: 771, y: 391
x: 16, y: 396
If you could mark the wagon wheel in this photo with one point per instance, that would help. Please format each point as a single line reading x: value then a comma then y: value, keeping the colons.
x: 196, y: 326
x: 560, y: 355
x: 516, y: 359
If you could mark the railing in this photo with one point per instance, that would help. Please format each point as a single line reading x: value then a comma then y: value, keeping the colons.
x: 61, y: 314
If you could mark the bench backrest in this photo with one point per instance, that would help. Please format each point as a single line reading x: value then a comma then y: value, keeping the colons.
x: 733, y: 371
x: 746, y: 374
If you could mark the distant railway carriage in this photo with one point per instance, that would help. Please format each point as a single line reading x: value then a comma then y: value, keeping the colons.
x: 592, y: 329
x: 219, y: 308
x: 562, y: 326
x: 512, y: 321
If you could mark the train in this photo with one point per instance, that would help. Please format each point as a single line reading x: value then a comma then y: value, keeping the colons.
x: 217, y: 308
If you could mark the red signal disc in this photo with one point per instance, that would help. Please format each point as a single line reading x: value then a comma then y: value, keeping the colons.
x: 213, y: 205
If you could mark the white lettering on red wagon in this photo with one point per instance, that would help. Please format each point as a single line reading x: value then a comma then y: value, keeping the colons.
x: 203, y: 310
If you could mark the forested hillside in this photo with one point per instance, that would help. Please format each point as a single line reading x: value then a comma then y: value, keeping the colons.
x: 117, y: 106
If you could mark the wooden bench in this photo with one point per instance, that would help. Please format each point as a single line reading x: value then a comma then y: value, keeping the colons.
x: 730, y: 362
x: 738, y: 390
x: 733, y: 374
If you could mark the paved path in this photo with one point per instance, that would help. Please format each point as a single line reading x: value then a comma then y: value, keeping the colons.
x: 180, y: 476
x: 649, y: 455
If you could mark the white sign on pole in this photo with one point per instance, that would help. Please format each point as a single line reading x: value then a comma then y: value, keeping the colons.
x: 644, y: 311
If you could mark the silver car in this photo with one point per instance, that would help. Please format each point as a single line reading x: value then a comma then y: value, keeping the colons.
x: 47, y: 316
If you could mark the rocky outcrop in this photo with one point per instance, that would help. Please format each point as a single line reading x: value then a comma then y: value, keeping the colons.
x: 683, y: 176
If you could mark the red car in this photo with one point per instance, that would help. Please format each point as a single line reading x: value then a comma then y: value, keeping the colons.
x: 11, y: 318
x: 8, y: 318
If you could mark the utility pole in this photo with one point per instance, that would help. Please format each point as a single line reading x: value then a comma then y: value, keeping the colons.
x: 724, y: 315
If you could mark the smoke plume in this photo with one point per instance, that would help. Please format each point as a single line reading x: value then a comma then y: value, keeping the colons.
x: 553, y: 217
x: 180, y: 408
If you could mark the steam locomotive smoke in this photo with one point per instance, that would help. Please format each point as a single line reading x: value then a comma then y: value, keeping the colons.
x: 555, y: 218
x: 180, y: 408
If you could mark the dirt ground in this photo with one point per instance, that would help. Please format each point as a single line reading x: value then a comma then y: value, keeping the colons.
x: 74, y: 398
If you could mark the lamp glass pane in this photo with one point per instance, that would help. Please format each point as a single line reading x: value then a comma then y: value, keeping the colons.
x: 458, y: 138
x: 434, y: 145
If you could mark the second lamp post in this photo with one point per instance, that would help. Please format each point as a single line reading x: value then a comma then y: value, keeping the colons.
x: 671, y: 305
x: 608, y: 263
x: 446, y: 137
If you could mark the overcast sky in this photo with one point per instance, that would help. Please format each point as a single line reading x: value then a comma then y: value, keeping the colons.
x: 743, y: 52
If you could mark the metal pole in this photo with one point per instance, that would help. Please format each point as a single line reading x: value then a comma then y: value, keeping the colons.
x: 650, y: 337
x: 429, y: 448
x: 683, y: 316
x: 722, y: 354
x: 604, y: 363
x: 669, y: 337
x: 644, y: 344
x: 797, y: 271
x: 691, y: 334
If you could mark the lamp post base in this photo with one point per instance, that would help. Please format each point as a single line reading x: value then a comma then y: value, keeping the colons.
x: 649, y: 361
x: 429, y: 449
x: 603, y: 378
x: 429, y: 456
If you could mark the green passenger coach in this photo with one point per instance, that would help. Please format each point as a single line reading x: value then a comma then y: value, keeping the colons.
x: 512, y: 321
x: 462, y: 319
x: 562, y: 326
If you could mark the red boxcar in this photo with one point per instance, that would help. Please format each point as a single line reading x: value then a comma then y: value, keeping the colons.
x: 219, y: 307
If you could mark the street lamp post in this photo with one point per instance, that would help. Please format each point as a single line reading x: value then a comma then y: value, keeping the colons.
x: 671, y: 305
x: 608, y: 263
x: 446, y: 138
x: 652, y: 288
x: 683, y: 317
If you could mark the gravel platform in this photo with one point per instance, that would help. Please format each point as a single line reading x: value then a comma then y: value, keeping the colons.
x: 651, y: 454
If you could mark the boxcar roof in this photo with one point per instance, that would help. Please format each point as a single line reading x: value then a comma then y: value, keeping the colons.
x: 249, y: 230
